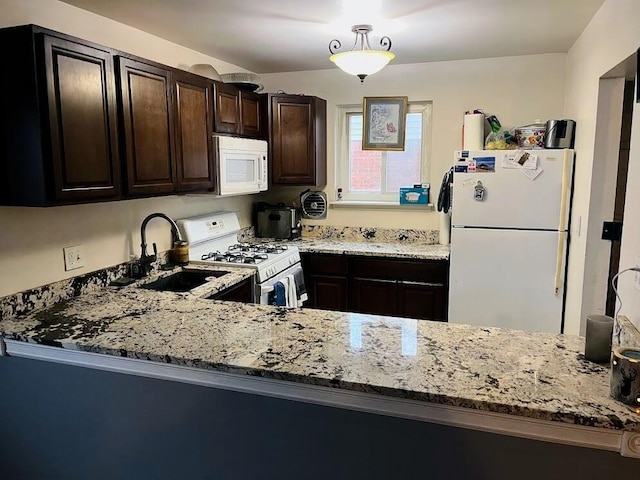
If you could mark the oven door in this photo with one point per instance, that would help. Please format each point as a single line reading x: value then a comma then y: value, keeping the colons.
x: 265, y: 291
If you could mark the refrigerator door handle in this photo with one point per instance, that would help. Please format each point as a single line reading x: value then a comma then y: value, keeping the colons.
x: 564, y: 198
x: 562, y: 239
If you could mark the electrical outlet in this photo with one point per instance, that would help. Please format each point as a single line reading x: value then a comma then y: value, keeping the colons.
x: 73, y: 257
x: 636, y: 275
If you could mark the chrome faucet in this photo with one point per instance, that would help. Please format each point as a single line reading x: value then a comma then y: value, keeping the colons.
x: 145, y: 259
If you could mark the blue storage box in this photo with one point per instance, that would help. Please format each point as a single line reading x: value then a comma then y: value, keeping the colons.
x: 416, y: 195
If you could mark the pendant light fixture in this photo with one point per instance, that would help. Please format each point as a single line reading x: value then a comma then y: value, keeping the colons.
x: 361, y: 60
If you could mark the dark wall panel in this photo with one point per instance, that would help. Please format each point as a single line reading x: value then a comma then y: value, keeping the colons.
x: 75, y: 423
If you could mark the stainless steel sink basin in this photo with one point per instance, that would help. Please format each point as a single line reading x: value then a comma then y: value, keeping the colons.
x: 183, y: 281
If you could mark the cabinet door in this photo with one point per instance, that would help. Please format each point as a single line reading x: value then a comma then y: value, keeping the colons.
x: 227, y: 108
x: 241, y: 292
x: 251, y: 115
x: 192, y: 117
x: 327, y: 292
x: 82, y: 120
x: 425, y: 301
x: 374, y: 296
x: 145, y: 94
x: 292, y: 140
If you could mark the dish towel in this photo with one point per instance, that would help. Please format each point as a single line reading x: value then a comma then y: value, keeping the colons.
x: 301, y: 289
x: 287, y: 297
x: 279, y: 294
x: 292, y: 292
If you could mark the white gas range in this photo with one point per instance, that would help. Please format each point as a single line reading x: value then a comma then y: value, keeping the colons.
x: 213, y: 239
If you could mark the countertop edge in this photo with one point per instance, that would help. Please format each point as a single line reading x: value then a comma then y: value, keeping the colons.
x: 345, y: 250
x: 493, y: 422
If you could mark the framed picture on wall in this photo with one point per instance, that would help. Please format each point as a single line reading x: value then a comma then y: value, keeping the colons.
x: 384, y: 123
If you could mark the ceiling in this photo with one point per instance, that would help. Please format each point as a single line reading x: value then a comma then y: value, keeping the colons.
x: 290, y: 35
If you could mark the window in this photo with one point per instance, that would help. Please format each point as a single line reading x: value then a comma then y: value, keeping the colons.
x: 376, y: 176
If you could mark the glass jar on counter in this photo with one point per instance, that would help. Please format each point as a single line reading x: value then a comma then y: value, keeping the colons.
x: 180, y: 252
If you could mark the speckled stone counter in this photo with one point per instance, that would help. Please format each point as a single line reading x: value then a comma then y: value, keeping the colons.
x: 414, y: 250
x: 363, y: 241
x: 533, y: 375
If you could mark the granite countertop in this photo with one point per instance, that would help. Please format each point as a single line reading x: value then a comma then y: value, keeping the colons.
x: 409, y: 250
x: 534, y: 375
x: 364, y: 241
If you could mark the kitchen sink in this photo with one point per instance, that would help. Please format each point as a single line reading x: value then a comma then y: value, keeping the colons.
x: 183, y: 281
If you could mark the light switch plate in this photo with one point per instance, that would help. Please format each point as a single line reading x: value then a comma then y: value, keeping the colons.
x: 73, y: 257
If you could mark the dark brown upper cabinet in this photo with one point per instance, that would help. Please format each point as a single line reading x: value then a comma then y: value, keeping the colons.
x: 82, y: 123
x: 58, y: 123
x: 147, y: 124
x: 298, y: 140
x: 253, y: 115
x: 238, y: 112
x: 193, y: 124
x: 167, y: 124
x: 227, y: 108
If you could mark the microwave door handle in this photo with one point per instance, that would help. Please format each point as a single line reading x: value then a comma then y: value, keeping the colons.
x: 263, y: 169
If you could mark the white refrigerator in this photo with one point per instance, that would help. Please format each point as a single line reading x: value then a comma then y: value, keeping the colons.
x: 510, y: 226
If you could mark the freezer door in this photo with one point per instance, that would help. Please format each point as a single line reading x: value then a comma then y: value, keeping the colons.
x: 511, y: 199
x: 507, y: 278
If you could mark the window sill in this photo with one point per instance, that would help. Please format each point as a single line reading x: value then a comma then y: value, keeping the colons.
x: 379, y: 205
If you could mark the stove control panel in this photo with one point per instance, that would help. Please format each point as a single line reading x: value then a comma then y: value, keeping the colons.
x: 215, y: 226
x: 210, y: 227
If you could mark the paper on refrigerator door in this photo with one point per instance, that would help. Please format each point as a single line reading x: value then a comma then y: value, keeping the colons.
x: 469, y: 182
x: 520, y: 160
x: 531, y: 174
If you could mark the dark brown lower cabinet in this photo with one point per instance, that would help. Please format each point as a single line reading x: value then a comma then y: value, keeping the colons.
x: 422, y: 300
x: 326, y: 281
x: 379, y: 286
x: 328, y: 292
x: 376, y: 296
x: 240, y: 292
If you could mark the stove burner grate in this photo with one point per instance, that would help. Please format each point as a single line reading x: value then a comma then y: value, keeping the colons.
x: 235, y: 256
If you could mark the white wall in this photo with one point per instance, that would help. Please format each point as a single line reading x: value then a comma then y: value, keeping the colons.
x: 630, y: 251
x: 518, y: 90
x: 611, y: 37
x: 603, y: 191
x: 68, y: 19
x: 31, y: 239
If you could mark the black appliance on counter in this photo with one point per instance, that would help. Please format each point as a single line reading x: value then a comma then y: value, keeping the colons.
x: 560, y: 134
x: 277, y: 221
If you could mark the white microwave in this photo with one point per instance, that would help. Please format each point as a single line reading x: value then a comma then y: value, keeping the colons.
x: 242, y: 165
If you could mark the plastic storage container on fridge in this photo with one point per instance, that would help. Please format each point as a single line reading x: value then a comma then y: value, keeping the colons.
x: 531, y: 136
